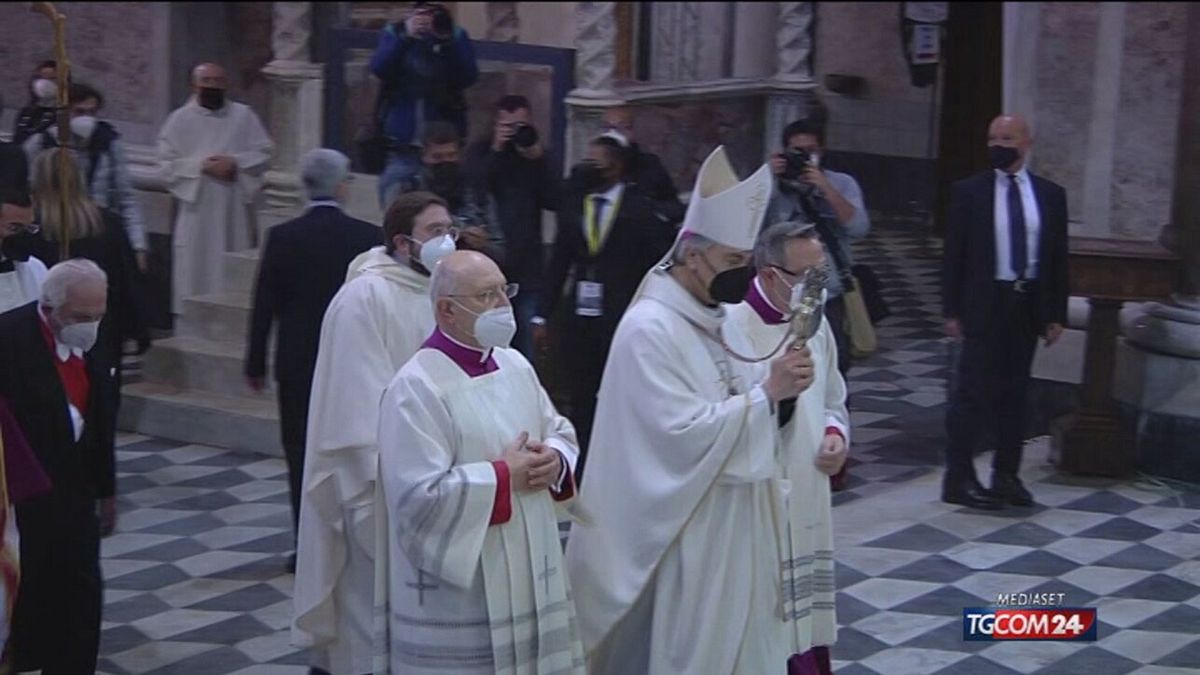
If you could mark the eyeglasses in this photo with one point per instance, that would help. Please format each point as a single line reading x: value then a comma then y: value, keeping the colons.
x: 491, y: 296
x: 18, y: 228
x: 442, y: 229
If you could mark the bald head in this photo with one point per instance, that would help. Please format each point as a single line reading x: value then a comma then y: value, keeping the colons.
x: 1011, y: 131
x: 464, y: 285
x: 209, y: 75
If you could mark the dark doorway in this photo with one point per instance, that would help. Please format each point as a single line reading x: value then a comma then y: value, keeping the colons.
x: 972, y: 94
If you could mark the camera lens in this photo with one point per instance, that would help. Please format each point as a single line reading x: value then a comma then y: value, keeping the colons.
x: 525, y: 136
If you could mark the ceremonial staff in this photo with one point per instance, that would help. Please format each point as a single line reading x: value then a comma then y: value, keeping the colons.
x: 63, y: 70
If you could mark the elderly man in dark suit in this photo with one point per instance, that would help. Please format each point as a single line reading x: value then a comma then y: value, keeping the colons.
x: 1004, y: 284
x: 60, y: 392
x: 303, y: 265
x: 610, y: 235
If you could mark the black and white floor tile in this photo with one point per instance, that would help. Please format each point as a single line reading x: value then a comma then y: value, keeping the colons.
x: 195, y: 579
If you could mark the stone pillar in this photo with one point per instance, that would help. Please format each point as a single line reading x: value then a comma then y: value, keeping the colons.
x: 595, y: 60
x: 296, y: 91
x: 503, y: 23
x: 794, y: 96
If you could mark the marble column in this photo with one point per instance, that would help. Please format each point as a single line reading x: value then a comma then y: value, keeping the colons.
x: 296, y: 92
x: 793, y: 97
x: 503, y: 22
x: 595, y: 61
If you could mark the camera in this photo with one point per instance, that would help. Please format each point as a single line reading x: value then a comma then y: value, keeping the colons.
x: 525, y: 136
x: 443, y: 25
x: 797, y: 162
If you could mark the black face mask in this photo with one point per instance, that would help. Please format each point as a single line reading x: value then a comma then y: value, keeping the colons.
x: 444, y: 178
x: 730, y: 286
x: 588, y: 177
x: 19, y: 247
x: 211, y: 98
x: 1001, y: 157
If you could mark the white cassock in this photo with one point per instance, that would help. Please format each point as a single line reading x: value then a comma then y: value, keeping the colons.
x: 23, y: 285
x: 377, y: 320
x: 213, y: 215
x: 807, y: 534
x: 464, y: 596
x: 678, y: 569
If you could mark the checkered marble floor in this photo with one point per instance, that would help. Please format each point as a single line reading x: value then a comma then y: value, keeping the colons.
x: 195, y: 579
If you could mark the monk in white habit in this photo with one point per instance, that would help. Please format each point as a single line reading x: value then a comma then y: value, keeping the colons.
x: 475, y: 463
x: 21, y: 273
x: 677, y: 568
x: 790, y: 261
x: 213, y: 152
x: 377, y: 320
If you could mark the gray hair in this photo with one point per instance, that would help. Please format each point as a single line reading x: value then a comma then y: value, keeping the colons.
x: 323, y: 170
x: 771, y: 246
x: 66, y: 275
x: 442, y: 283
x: 691, y: 242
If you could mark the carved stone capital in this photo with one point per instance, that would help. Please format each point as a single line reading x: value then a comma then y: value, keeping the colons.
x: 503, y: 23
x: 291, y: 30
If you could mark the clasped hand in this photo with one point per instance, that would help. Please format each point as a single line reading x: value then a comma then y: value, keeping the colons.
x: 221, y: 167
x: 532, y: 467
x: 790, y: 375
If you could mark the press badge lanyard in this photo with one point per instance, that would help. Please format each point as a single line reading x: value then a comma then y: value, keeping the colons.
x: 596, y: 232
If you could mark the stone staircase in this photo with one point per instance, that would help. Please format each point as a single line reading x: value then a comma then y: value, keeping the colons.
x: 192, y: 387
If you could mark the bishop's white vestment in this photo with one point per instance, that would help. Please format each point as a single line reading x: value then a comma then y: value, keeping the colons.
x: 374, y: 324
x: 806, y: 534
x: 677, y: 568
x: 213, y: 216
x: 475, y: 581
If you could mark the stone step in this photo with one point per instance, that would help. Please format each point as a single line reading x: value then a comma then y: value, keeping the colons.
x: 205, y: 365
x: 222, y: 317
x: 191, y: 416
x: 241, y: 270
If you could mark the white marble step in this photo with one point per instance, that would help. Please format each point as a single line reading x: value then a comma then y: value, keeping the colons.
x: 241, y: 270
x: 206, y: 418
x: 222, y: 317
x: 205, y: 365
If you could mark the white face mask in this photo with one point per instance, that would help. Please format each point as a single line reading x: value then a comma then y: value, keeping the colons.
x: 83, y: 126
x: 80, y: 336
x: 494, y: 328
x: 434, y: 250
x: 45, y: 90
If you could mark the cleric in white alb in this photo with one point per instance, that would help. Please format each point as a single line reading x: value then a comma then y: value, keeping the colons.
x: 474, y: 462
x: 677, y: 568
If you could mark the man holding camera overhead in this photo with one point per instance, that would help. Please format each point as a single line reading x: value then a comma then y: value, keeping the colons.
x: 424, y: 63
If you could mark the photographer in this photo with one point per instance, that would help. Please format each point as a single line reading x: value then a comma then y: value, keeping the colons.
x: 831, y: 200
x: 442, y: 174
x: 514, y: 170
x: 424, y: 63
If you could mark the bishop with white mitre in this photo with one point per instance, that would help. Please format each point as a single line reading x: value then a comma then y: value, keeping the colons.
x: 474, y: 463
x: 677, y: 569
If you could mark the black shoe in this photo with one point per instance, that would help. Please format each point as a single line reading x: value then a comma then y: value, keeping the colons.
x: 291, y: 564
x: 1008, y: 489
x: 970, y: 494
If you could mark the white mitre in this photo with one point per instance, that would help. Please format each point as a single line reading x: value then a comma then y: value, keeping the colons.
x: 725, y: 210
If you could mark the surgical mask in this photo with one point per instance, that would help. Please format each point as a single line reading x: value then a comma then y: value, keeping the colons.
x: 80, y: 336
x: 20, y: 246
x: 434, y: 250
x: 1001, y: 156
x: 444, y: 178
x: 588, y: 176
x: 45, y: 90
x: 730, y: 286
x: 494, y: 328
x: 211, y: 98
x: 83, y: 126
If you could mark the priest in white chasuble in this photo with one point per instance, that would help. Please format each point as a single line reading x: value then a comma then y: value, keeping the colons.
x: 791, y: 268
x: 676, y: 569
x: 475, y: 464
x: 214, y: 153
x: 375, y: 323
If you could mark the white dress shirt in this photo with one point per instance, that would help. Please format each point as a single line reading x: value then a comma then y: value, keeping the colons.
x: 1033, y: 226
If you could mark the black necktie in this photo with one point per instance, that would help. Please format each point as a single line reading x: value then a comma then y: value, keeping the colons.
x: 1016, y: 228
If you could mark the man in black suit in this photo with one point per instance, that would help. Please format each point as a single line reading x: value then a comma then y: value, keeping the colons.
x: 303, y: 265
x: 610, y: 235
x: 60, y: 392
x: 1004, y: 284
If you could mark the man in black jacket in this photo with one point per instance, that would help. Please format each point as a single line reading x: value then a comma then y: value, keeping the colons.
x: 1004, y: 284
x: 515, y: 170
x: 645, y: 171
x: 60, y: 392
x: 303, y: 265
x: 610, y: 236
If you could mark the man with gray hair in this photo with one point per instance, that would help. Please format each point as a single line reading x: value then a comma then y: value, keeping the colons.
x: 62, y: 394
x: 784, y: 304
x: 303, y: 265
